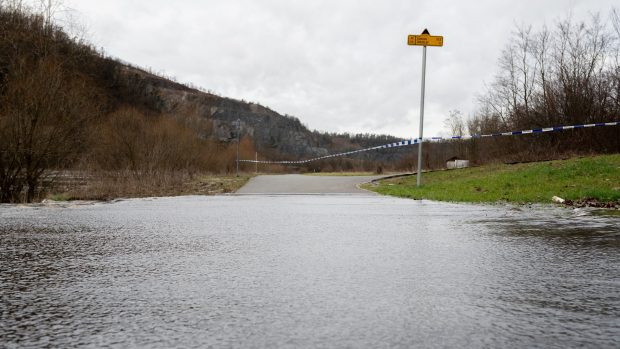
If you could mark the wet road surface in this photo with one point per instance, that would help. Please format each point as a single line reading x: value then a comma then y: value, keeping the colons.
x: 306, y: 184
x: 305, y: 271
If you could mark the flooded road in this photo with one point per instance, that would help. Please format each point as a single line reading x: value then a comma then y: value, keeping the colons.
x: 307, y: 271
x: 307, y: 184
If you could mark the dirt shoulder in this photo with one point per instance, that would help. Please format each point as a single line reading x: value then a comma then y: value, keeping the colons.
x: 103, y: 188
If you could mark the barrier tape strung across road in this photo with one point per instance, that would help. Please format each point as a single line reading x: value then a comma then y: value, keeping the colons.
x: 407, y: 142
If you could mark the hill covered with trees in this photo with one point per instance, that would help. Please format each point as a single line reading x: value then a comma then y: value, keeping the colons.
x: 67, y: 109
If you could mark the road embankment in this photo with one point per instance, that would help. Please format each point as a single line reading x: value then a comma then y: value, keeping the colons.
x: 110, y: 187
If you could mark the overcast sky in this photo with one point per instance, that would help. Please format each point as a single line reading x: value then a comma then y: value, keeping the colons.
x: 337, y: 65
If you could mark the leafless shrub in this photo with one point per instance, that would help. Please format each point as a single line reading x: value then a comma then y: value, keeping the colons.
x: 561, y: 76
x: 45, y: 111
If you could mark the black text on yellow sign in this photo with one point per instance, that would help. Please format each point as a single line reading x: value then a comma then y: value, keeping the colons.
x: 425, y: 40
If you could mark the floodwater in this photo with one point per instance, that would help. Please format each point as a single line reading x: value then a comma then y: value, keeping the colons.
x: 307, y: 271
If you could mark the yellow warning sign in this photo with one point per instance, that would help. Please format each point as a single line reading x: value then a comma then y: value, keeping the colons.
x: 425, y: 40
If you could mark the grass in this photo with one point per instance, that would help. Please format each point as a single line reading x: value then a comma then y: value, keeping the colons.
x: 59, y: 197
x: 595, y: 178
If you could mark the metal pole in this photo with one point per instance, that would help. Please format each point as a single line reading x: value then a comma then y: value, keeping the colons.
x: 256, y: 162
x: 419, y: 182
x: 238, y: 133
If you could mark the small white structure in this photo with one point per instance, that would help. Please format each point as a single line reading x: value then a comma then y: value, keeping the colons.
x: 455, y: 162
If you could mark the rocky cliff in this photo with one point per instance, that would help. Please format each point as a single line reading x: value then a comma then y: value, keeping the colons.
x: 268, y: 129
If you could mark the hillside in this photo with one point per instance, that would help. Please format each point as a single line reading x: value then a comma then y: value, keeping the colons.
x: 87, y: 115
x: 276, y: 134
x: 268, y: 129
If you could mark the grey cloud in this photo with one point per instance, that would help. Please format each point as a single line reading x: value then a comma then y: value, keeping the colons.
x: 337, y: 65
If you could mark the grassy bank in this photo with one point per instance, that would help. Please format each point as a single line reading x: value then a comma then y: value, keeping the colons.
x: 113, y: 187
x: 592, y: 178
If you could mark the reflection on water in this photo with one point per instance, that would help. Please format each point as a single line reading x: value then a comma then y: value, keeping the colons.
x: 307, y: 271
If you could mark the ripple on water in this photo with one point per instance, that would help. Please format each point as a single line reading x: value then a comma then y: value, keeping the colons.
x: 307, y: 271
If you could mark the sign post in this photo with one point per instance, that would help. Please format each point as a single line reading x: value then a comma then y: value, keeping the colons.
x: 424, y: 39
x: 238, y: 141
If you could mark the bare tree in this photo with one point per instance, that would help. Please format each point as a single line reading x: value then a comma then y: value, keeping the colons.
x: 48, y: 9
x: 541, y: 52
x: 454, y: 123
x: 615, y: 70
x: 567, y: 75
x: 45, y: 113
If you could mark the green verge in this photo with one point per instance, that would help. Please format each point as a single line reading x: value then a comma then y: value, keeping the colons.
x: 595, y: 178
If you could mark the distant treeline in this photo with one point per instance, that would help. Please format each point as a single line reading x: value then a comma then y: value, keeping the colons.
x: 562, y: 75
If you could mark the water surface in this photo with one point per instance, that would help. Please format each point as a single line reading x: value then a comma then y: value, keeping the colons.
x: 307, y: 271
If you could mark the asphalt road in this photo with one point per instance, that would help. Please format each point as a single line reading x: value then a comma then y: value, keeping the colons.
x: 304, y: 184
